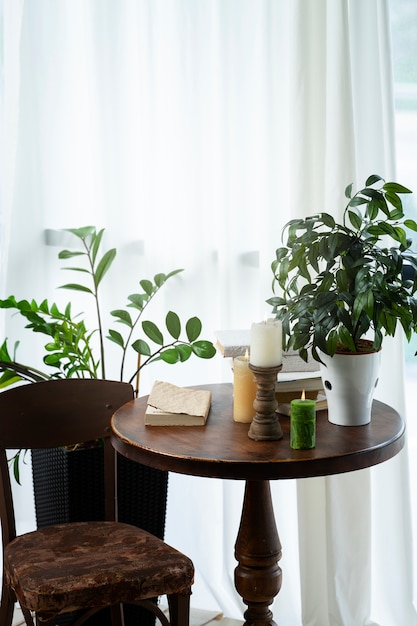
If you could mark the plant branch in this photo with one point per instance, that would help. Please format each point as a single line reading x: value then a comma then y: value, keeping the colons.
x: 129, y: 337
x: 98, y: 313
x: 24, y: 371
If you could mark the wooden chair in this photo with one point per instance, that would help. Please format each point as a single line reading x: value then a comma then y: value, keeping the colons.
x: 86, y: 566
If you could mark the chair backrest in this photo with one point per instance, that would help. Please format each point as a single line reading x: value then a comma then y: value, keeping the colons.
x: 58, y: 413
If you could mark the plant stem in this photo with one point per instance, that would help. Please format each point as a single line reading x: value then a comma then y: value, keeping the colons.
x: 129, y: 336
x: 99, y: 324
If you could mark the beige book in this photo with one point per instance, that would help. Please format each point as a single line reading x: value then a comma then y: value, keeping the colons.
x: 169, y: 405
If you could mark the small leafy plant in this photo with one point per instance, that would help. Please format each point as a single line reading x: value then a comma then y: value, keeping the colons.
x: 341, y: 282
x: 74, y: 350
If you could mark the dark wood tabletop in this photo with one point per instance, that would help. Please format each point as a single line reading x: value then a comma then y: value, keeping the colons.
x: 222, y: 448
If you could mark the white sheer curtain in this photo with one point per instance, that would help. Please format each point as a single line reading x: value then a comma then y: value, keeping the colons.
x: 192, y: 130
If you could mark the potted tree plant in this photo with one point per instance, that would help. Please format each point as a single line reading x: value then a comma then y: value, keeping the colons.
x: 73, y: 349
x: 343, y: 287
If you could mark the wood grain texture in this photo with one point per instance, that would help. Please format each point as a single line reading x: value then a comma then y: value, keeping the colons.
x: 222, y: 448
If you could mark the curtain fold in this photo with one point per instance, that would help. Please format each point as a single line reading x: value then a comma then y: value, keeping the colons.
x: 351, y: 138
x: 192, y: 131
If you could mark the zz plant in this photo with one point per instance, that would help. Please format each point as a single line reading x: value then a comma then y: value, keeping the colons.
x: 341, y: 283
x: 73, y: 349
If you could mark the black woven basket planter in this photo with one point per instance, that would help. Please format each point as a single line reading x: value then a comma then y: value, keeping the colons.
x: 62, y: 494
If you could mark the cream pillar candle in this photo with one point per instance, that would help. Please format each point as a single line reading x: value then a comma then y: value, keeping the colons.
x: 244, y: 390
x: 266, y: 343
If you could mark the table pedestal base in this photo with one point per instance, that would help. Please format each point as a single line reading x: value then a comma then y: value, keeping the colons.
x: 258, y: 550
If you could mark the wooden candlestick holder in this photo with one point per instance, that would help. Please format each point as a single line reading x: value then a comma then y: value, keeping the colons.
x: 265, y: 425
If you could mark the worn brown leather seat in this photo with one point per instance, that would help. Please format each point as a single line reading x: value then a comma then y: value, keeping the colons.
x: 81, y: 566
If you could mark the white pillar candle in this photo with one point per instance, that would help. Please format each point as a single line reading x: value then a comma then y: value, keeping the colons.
x: 266, y: 343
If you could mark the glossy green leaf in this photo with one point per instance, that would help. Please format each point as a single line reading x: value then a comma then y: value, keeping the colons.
x: 81, y: 233
x: 411, y: 224
x: 327, y: 282
x: 4, y: 351
x: 193, y: 328
x: 104, y: 266
x: 357, y: 201
x: 83, y: 270
x: 396, y: 188
x: 372, y: 210
x: 116, y: 337
x: 69, y: 254
x: 346, y: 339
x: 280, y: 254
x: 75, y: 287
x: 371, y: 180
x: 141, y: 347
x: 203, y: 349
x: 332, y: 342
x: 396, y: 214
x: 152, y: 331
x: 348, y: 191
x: 171, y: 356
x: 303, y: 269
x: 54, y: 360
x: 359, y: 304
x: 184, y: 351
x: 400, y: 235
x: 147, y: 287
x: 395, y: 200
x: 123, y: 316
x: 159, y: 279
x: 8, y: 379
x: 96, y: 244
x: 8, y: 303
x: 328, y: 220
x: 138, y: 301
x: 370, y: 192
x: 173, y: 324
x: 355, y: 220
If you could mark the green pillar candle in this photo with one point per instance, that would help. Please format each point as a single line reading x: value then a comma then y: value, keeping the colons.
x: 303, y: 424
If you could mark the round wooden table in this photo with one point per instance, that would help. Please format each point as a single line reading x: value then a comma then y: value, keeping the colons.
x: 222, y: 449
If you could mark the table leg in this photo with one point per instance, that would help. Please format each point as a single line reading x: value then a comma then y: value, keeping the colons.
x: 258, y: 550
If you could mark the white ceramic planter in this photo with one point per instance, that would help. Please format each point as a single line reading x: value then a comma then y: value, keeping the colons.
x: 349, y: 381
